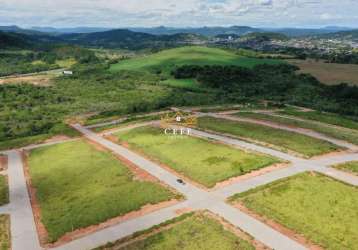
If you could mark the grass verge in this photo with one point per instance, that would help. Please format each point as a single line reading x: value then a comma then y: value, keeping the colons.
x: 4, y: 190
x: 192, y: 231
x: 78, y: 185
x: 281, y: 139
x: 328, y: 118
x: 201, y: 160
x: 318, y: 207
x: 5, y: 240
x: 351, y: 167
x: 348, y: 135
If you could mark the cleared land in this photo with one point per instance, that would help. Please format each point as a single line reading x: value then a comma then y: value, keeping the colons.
x: 351, y: 167
x: 328, y: 118
x: 5, y: 232
x: 329, y: 73
x: 40, y: 80
x: 4, y: 190
x: 280, y: 139
x: 166, y: 60
x: 188, y: 232
x: 78, y: 185
x: 348, y: 135
x: 319, y: 208
x: 202, y: 161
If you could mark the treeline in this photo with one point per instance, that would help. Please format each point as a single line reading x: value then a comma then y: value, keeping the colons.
x: 22, y: 62
x: 279, y: 83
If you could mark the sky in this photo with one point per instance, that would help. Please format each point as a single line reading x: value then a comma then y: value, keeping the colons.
x: 179, y: 13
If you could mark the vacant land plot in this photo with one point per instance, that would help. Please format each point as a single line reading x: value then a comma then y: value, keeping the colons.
x: 5, y: 232
x: 328, y: 118
x: 344, y: 134
x: 78, y: 185
x: 4, y: 190
x: 318, y: 207
x: 40, y: 80
x: 329, y: 73
x: 351, y: 167
x: 281, y: 139
x: 189, y: 232
x: 166, y: 60
x: 205, y: 162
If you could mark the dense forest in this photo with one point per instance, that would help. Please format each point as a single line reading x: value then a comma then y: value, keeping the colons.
x: 274, y: 82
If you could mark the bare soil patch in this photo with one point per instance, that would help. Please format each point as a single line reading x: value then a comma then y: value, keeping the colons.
x: 280, y: 228
x: 328, y: 73
x: 250, y: 175
x: 3, y: 162
x: 37, y: 80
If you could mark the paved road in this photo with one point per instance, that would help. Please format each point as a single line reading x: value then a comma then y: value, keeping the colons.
x: 202, y: 199
x: 23, y: 228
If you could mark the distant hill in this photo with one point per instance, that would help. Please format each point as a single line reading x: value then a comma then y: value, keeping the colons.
x: 13, y: 40
x: 205, y: 31
x: 126, y: 39
x: 265, y: 36
x: 349, y: 35
x: 70, y: 30
x: 16, y: 29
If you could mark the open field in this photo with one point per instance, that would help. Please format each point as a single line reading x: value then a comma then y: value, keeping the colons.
x: 189, y: 231
x: 328, y: 118
x: 38, y: 80
x: 348, y: 135
x: 283, y: 140
x: 202, y: 161
x: 351, y: 167
x: 328, y: 73
x: 321, y: 209
x: 5, y: 232
x: 78, y: 185
x: 4, y: 190
x: 166, y: 60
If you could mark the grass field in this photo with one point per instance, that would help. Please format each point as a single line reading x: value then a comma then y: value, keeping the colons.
x: 283, y: 140
x: 318, y: 207
x: 328, y: 73
x: 4, y: 190
x: 348, y: 135
x: 328, y: 118
x: 351, y: 167
x: 202, y: 161
x: 5, y: 232
x: 196, y: 231
x: 166, y: 60
x: 78, y: 186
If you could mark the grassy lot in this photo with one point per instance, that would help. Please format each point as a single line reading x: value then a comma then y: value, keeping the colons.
x: 166, y: 60
x: 329, y: 73
x: 196, y: 231
x: 189, y: 84
x: 316, y: 206
x: 284, y: 140
x: 4, y: 190
x: 341, y: 134
x: 205, y: 162
x: 5, y: 232
x: 329, y: 118
x: 351, y: 167
x: 78, y: 186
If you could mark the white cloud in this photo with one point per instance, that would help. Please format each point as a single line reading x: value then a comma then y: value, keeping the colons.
x: 124, y: 13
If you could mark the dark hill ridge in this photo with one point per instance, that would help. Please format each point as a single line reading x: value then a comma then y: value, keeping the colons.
x: 126, y: 39
x: 13, y: 40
